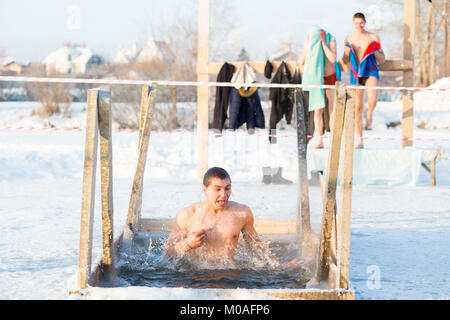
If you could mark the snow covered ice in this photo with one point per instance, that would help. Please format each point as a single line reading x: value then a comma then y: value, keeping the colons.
x: 399, y: 240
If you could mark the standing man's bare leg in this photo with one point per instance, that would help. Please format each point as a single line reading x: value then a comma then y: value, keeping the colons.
x: 330, y: 97
x: 318, y: 127
x: 358, y: 118
x: 371, y: 101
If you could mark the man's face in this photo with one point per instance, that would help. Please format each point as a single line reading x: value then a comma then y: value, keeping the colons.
x: 217, y: 192
x: 359, y: 24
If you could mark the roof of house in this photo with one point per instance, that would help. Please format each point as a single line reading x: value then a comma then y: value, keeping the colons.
x: 289, y: 51
x: 77, y: 54
x: 151, y: 50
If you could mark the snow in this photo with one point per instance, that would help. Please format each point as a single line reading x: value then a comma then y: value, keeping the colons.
x: 400, y: 234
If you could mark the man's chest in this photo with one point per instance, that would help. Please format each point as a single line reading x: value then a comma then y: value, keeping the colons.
x: 360, y: 46
x: 224, y: 230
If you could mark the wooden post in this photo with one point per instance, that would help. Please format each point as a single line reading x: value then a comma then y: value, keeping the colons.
x: 173, y: 94
x: 346, y: 189
x: 408, y: 75
x: 331, y: 181
x: 145, y: 91
x: 88, y: 192
x: 106, y: 170
x: 445, y: 38
x: 433, y: 170
x: 303, y: 209
x: 133, y: 216
x: 202, y: 91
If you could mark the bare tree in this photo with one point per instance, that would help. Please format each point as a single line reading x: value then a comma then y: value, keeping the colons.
x: 428, y: 32
x: 54, y: 97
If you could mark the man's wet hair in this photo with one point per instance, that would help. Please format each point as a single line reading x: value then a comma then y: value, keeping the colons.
x: 215, y: 172
x: 359, y: 15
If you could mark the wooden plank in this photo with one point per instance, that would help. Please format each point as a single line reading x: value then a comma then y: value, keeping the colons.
x: 106, y: 171
x: 88, y: 191
x: 345, y: 208
x: 257, y: 66
x: 303, y: 209
x: 262, y: 226
x: 203, y: 37
x: 397, y: 65
x: 331, y: 181
x: 145, y: 91
x: 310, y: 295
x: 409, y: 9
x: 433, y: 171
x: 445, y: 41
x: 133, y: 217
x: 202, y: 91
x: 202, y: 126
x: 388, y: 65
x: 289, y: 294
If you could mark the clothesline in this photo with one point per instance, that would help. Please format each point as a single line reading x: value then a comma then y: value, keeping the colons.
x: 208, y: 84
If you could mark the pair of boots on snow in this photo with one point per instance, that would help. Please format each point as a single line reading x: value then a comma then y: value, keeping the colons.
x: 273, y: 175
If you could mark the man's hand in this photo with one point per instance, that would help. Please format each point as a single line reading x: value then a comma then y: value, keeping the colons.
x: 346, y: 50
x: 292, y: 263
x: 195, y: 238
x: 322, y: 35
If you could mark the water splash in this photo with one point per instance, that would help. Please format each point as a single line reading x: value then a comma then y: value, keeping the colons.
x: 148, y: 265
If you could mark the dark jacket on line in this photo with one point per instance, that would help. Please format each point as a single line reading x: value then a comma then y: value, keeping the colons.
x: 246, y: 110
x: 282, y: 98
x: 222, y: 96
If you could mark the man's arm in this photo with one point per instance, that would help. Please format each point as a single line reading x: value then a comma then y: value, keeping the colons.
x: 379, y: 55
x: 180, y: 239
x: 330, y: 52
x: 176, y: 243
x: 346, y: 57
x: 302, y: 58
x: 251, y: 236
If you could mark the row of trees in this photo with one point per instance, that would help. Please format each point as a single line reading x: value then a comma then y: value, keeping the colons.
x: 430, y: 32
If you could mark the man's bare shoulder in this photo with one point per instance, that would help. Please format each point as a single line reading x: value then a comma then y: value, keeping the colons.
x: 350, y: 38
x: 372, y: 36
x: 242, y: 210
x: 184, y: 215
x: 236, y: 206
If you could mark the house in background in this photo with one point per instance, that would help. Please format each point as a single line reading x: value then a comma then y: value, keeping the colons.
x: 152, y: 51
x: 288, y: 52
x: 126, y: 55
x: 71, y: 60
x: 8, y: 63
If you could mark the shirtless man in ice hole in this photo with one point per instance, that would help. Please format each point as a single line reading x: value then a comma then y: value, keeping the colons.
x: 210, y: 229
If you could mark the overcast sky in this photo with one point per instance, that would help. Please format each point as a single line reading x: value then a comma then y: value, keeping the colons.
x: 29, y: 30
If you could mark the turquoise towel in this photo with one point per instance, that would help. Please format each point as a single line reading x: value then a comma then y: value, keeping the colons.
x: 314, y: 67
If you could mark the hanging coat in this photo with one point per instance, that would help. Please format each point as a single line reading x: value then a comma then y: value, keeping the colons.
x: 282, y: 98
x: 222, y: 96
x: 245, y: 104
x: 246, y: 110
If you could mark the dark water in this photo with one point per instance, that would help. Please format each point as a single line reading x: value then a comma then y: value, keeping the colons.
x: 147, y: 265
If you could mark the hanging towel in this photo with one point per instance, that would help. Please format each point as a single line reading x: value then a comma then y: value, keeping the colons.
x: 368, y: 67
x: 314, y: 67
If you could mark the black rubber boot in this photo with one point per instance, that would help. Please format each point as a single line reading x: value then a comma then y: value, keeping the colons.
x: 277, y: 178
x: 267, y: 175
